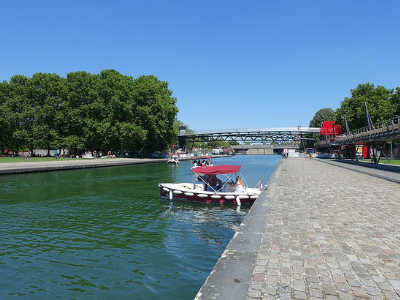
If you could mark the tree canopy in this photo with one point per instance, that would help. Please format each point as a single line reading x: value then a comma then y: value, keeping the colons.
x: 325, y: 114
x: 382, y: 104
x: 106, y: 111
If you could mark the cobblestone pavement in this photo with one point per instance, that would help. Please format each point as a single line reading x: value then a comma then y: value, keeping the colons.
x: 331, y: 233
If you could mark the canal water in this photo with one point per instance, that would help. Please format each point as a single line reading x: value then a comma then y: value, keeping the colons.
x: 105, y: 233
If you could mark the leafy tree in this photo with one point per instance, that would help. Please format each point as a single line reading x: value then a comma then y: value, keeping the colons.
x: 80, y: 110
x: 233, y: 143
x: 121, y: 125
x: 45, y: 97
x: 395, y: 99
x: 215, y: 143
x: 18, y: 113
x: 107, y: 111
x: 156, y: 112
x: 5, y: 114
x: 378, y: 101
x: 325, y: 114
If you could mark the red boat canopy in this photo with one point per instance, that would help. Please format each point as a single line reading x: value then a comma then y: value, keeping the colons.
x: 215, y: 170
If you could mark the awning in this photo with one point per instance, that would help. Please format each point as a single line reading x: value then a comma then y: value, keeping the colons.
x: 215, y: 170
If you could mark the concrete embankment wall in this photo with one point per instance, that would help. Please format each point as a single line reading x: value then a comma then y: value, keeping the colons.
x: 262, y: 151
x: 42, y: 166
x: 231, y: 275
x: 70, y: 164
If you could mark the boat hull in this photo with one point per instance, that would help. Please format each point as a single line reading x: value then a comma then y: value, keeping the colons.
x: 186, y: 192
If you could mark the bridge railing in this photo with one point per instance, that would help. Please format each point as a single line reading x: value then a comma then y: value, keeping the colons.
x: 266, y: 146
x: 381, y: 130
x: 255, y: 130
x: 381, y: 126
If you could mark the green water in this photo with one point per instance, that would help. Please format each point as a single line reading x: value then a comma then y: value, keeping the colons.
x: 104, y: 233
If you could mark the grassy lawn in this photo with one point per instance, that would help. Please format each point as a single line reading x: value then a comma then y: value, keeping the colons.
x: 392, y: 161
x: 384, y: 161
x: 21, y: 159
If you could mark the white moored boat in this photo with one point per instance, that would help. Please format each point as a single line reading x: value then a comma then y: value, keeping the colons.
x: 173, y: 159
x: 210, y: 189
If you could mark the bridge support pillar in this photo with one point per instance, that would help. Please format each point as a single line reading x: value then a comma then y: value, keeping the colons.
x: 182, y: 142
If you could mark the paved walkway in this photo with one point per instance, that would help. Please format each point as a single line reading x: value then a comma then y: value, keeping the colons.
x: 318, y: 232
x: 65, y: 164
x: 388, y: 172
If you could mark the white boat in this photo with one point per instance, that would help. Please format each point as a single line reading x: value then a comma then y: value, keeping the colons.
x: 228, y: 192
x: 173, y: 159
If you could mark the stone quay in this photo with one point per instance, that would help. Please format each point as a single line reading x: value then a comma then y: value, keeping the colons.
x: 324, y: 229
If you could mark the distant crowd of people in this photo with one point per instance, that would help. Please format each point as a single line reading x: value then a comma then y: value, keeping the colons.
x: 27, y: 155
x: 204, y: 163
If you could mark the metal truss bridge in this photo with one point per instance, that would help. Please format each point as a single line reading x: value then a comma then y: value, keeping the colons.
x: 258, y: 135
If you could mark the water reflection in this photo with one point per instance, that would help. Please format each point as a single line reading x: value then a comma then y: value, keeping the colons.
x: 105, y: 233
x: 202, y: 220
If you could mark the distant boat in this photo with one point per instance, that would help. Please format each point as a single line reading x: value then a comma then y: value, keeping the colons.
x: 173, y: 159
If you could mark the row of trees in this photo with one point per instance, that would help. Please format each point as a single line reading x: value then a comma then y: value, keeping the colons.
x: 106, y: 111
x: 382, y: 105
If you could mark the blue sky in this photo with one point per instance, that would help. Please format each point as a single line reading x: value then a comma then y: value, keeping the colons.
x: 230, y: 64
